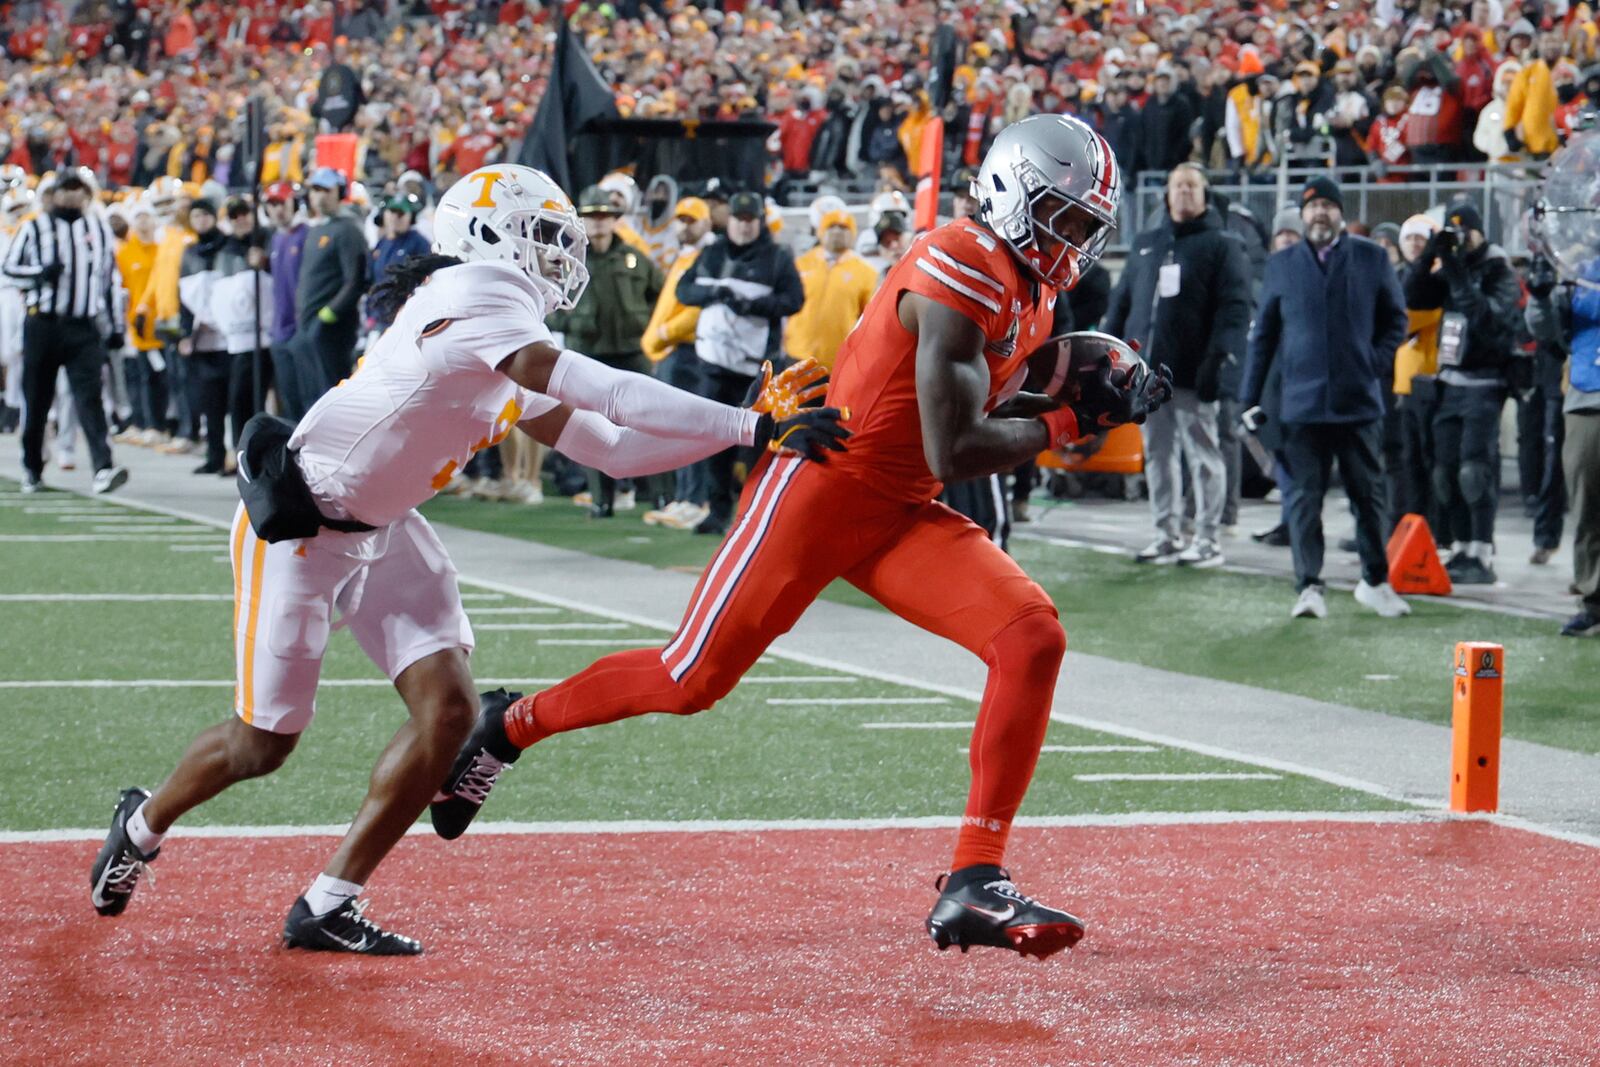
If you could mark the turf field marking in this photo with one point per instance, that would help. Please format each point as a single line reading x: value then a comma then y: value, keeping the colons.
x: 102, y: 517
x: 210, y: 546
x: 223, y: 683
x: 851, y: 701
x: 111, y: 598
x: 603, y: 642
x: 1197, y: 776
x: 552, y: 626
x: 145, y: 528
x: 745, y: 826
x: 918, y: 726
x: 1093, y: 750
x: 531, y: 610
x: 486, y: 588
x: 138, y: 538
x: 795, y: 679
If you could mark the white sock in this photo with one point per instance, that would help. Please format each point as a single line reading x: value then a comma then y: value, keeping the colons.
x: 144, y: 839
x: 327, y: 893
x: 1483, y: 550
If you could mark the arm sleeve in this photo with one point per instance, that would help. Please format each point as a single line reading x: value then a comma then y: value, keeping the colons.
x: 788, y: 294
x: 690, y: 290
x: 116, y: 304
x: 1515, y: 101
x: 1231, y: 319
x: 353, y: 259
x: 1263, y: 346
x: 1391, y: 319
x: 590, y: 440
x: 643, y: 403
x: 1234, y: 129
x: 22, y: 259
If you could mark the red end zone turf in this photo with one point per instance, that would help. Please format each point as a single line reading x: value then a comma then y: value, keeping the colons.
x: 1245, y: 943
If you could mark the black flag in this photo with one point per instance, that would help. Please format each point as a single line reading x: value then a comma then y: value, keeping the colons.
x: 575, y: 96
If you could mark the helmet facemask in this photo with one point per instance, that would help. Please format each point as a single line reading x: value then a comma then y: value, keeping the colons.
x: 548, y: 246
x: 1064, y: 236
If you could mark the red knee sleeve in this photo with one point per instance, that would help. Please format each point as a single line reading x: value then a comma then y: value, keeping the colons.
x: 1023, y: 658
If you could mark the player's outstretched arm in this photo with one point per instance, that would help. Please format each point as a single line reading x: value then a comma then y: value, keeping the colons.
x: 627, y: 399
x: 589, y: 440
x: 641, y: 403
x: 959, y: 439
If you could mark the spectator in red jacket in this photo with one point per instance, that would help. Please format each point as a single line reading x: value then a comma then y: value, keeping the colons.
x: 797, y: 132
x: 1386, y: 140
x: 1433, y: 128
x: 1476, y: 71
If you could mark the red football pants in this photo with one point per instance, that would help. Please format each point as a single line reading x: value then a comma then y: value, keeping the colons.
x: 801, y: 526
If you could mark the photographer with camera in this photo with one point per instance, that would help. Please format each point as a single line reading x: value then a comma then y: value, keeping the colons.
x: 1473, y: 285
x: 1568, y: 317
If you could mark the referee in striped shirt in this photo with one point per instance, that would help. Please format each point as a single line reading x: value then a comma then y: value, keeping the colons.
x: 65, y: 262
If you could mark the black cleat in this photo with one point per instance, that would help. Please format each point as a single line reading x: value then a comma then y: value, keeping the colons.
x: 980, y: 906
x: 344, y: 929
x: 116, y: 870
x: 485, y: 755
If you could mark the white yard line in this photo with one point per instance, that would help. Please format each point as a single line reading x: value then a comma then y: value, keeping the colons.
x: 134, y: 520
x: 795, y: 679
x: 214, y: 546
x: 601, y: 642
x: 1093, y: 750
x: 225, y: 683
x: 552, y: 626
x: 851, y: 701
x: 1153, y: 819
x: 111, y: 598
x: 62, y: 539
x: 539, y: 610
x: 1197, y: 776
x: 918, y: 726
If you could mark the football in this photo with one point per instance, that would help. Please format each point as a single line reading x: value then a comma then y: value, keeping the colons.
x: 1054, y: 367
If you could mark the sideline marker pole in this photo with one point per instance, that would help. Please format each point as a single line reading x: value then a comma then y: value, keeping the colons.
x: 1476, y: 711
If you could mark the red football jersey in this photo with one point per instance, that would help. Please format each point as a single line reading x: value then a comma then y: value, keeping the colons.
x: 965, y: 267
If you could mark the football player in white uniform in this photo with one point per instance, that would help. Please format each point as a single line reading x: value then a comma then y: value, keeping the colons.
x: 468, y: 358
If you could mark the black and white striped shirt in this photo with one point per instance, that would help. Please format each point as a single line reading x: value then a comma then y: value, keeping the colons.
x: 89, y: 283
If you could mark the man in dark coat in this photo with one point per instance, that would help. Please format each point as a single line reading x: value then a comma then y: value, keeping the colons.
x: 1332, y: 314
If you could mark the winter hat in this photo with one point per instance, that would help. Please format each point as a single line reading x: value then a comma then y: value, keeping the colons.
x: 1464, y: 213
x: 1321, y: 187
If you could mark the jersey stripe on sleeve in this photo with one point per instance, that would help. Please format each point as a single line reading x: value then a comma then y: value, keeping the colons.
x: 965, y: 290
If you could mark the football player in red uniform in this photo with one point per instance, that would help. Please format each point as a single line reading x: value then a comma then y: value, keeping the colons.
x: 932, y: 375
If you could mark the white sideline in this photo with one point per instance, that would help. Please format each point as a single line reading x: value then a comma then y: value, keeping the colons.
x: 223, y: 683
x: 498, y: 590
x: 745, y: 826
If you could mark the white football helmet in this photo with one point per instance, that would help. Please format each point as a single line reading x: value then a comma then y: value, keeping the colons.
x: 1049, y: 188
x: 16, y: 201
x: 517, y: 215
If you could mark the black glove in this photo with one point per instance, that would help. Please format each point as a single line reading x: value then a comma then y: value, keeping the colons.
x: 139, y: 324
x: 1208, y: 379
x: 114, y: 343
x: 1541, y: 277
x: 737, y: 304
x: 50, y: 272
x: 1513, y: 142
x: 812, y: 432
x: 1111, y: 397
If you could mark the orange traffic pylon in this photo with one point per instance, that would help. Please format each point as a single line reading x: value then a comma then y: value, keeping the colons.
x: 1414, y: 565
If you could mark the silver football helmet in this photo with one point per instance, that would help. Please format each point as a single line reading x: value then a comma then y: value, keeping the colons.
x: 1049, y: 188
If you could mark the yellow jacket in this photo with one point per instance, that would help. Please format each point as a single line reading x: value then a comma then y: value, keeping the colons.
x: 836, y: 295
x: 136, y: 260
x: 630, y: 236
x: 671, y: 323
x: 1532, y: 105
x: 281, y: 162
x: 1420, y: 352
x: 160, y: 299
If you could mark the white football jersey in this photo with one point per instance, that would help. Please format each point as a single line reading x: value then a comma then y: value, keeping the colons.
x: 427, y: 394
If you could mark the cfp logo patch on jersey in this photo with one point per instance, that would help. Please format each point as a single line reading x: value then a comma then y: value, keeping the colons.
x: 1007, y: 346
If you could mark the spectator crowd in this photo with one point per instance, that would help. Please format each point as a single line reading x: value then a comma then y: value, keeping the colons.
x: 1298, y: 343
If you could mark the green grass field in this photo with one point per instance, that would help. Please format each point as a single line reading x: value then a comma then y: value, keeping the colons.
x: 102, y: 693
x: 1232, y: 627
